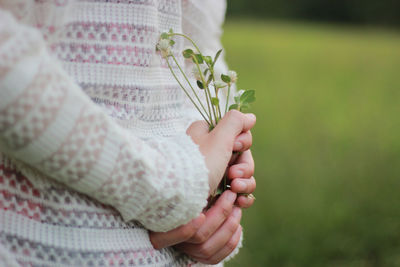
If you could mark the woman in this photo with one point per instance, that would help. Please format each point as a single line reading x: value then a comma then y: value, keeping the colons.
x: 96, y: 167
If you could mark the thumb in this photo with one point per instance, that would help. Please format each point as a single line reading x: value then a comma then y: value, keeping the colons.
x: 234, y: 123
x: 197, y: 129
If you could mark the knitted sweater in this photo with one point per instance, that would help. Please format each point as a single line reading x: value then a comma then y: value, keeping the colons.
x: 93, y: 150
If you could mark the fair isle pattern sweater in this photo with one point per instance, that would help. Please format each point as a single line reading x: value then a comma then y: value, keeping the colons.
x: 93, y: 150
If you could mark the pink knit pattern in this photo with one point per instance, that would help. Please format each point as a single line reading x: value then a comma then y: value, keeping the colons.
x: 67, y: 209
x: 93, y: 150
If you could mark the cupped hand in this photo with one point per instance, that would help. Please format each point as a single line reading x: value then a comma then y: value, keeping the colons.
x: 220, y: 233
x: 217, y: 145
x: 210, y: 237
x: 181, y: 234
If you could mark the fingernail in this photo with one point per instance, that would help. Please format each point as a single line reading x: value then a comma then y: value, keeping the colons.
x: 240, y: 173
x: 241, y: 185
x: 251, y: 115
x: 231, y: 196
x: 238, y: 146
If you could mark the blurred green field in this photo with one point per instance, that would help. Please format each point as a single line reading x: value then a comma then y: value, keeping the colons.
x: 326, y: 145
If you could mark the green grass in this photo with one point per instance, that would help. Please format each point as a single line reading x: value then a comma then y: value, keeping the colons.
x: 326, y: 144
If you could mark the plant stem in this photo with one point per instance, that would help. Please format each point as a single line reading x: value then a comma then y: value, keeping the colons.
x: 216, y: 91
x: 194, y: 92
x: 215, y: 113
x: 201, y: 74
x: 207, y: 90
x: 188, y: 38
x: 218, y: 107
x: 208, y: 99
x: 180, y: 84
x: 227, y: 98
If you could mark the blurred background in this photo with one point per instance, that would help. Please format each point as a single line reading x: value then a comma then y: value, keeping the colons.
x: 327, y: 141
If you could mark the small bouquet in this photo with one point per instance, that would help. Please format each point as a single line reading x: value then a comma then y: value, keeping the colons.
x: 206, y: 81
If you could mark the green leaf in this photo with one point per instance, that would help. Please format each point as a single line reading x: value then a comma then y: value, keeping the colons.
x: 164, y: 35
x: 244, y: 106
x: 171, y: 30
x: 200, y: 84
x: 171, y: 42
x: 199, y: 58
x: 188, y: 53
x: 216, y: 56
x: 248, y: 96
x: 233, y: 106
x: 237, y: 99
x: 208, y: 60
x: 225, y: 78
x: 209, y: 79
x: 215, y: 101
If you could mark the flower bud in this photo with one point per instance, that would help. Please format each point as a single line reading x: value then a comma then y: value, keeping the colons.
x: 164, y: 46
x: 233, y: 75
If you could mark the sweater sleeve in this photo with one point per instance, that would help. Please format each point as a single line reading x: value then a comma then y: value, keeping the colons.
x: 50, y: 124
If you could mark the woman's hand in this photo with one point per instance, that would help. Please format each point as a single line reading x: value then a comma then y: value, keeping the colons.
x: 178, y: 235
x: 210, y: 237
x: 217, y: 145
x: 241, y: 173
x: 219, y: 235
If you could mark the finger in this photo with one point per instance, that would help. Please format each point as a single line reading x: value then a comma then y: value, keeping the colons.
x: 227, y: 249
x: 197, y: 129
x: 234, y: 123
x: 244, y: 202
x: 234, y: 158
x: 161, y: 240
x: 243, y: 167
x: 243, y: 141
x: 245, y: 186
x: 218, y: 240
x: 215, y: 217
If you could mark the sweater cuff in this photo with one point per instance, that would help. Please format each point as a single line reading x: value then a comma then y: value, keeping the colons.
x: 168, y: 207
x: 197, y: 181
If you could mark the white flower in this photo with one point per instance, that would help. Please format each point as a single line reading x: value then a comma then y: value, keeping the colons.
x: 164, y: 47
x: 233, y: 75
x: 220, y: 84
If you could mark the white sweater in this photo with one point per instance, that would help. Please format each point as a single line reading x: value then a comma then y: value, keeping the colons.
x: 93, y: 149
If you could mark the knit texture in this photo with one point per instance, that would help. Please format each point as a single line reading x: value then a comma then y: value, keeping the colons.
x: 92, y: 130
